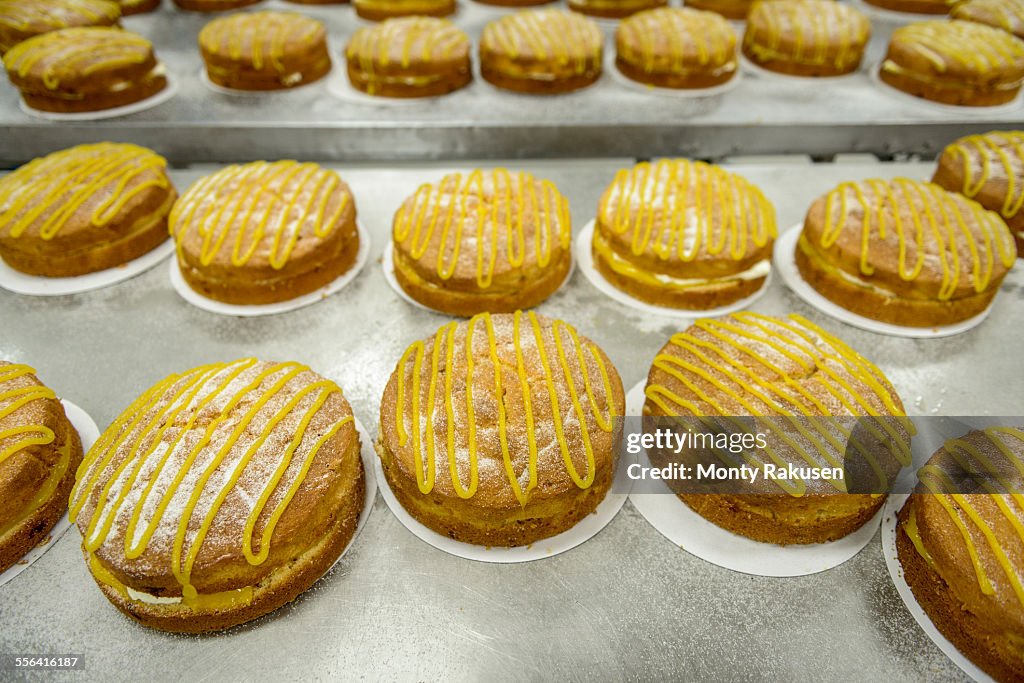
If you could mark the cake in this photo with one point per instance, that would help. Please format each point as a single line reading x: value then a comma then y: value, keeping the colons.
x: 213, y: 5
x: 24, y: 19
x: 84, y: 69
x: 138, y: 6
x: 39, y: 453
x: 683, y: 234
x: 806, y: 37
x: 1005, y: 14
x: 220, y: 494
x: 960, y: 543
x: 541, y: 52
x: 84, y: 209
x: 409, y: 57
x: 613, y: 9
x: 264, y: 232
x: 955, y: 62
x: 318, y: 2
x: 514, y: 3
x: 914, y: 6
x: 490, y: 241
x: 501, y: 430
x: 904, y: 252
x: 674, y: 47
x: 748, y: 364
x: 735, y: 10
x: 990, y: 170
x: 264, y: 50
x: 379, y: 10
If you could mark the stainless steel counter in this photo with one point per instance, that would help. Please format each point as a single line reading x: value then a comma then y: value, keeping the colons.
x: 626, y: 604
x: 761, y: 116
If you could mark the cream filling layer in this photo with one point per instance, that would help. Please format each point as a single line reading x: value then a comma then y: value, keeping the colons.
x: 627, y: 269
x: 894, y: 68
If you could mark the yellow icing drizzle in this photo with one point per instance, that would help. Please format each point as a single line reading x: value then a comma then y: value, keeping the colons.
x: 679, y: 209
x: 197, y: 394
x: 260, y: 37
x: 998, y: 155
x: 250, y: 202
x: 939, y: 227
x: 77, y: 50
x: 49, y: 191
x: 51, y: 15
x: 1005, y: 14
x: 12, y: 399
x: 402, y: 40
x: 807, y: 32
x: 728, y: 363
x: 568, y: 350
x: 548, y: 34
x: 961, y: 43
x: 1007, y: 496
x: 668, y: 38
x: 483, y: 201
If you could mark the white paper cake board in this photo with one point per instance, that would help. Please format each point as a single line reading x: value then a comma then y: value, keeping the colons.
x: 892, y: 562
x: 584, y: 530
x: 586, y: 262
x: 33, y: 285
x: 767, y: 74
x: 785, y: 264
x: 679, y: 93
x: 955, y: 109
x: 88, y: 432
x: 678, y: 523
x: 255, y: 310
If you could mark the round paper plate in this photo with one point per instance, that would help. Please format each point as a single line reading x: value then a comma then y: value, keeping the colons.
x: 892, y: 562
x: 767, y: 74
x: 339, y: 86
x: 204, y: 78
x: 33, y: 285
x: 586, y: 262
x: 785, y: 264
x: 685, y: 528
x: 679, y: 93
x: 238, y: 310
x: 88, y: 432
x: 584, y: 530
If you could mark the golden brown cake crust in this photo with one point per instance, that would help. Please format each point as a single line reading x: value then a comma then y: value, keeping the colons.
x: 544, y: 51
x: 806, y: 37
x: 409, y: 57
x: 751, y: 364
x: 1005, y: 14
x: 989, y: 169
x: 493, y: 241
x: 955, y: 62
x: 676, y: 48
x: 914, y: 6
x: 379, y: 10
x: 613, y: 9
x: 860, y: 249
x: 684, y: 234
x: 84, y: 209
x: 138, y: 6
x: 971, y: 602
x: 84, y: 69
x: 433, y: 381
x: 265, y: 232
x: 736, y: 10
x: 23, y: 19
x: 264, y: 50
x: 258, y: 465
x: 213, y: 5
x: 39, y: 453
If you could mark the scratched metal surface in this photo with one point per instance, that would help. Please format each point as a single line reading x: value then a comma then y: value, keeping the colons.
x: 762, y: 115
x: 625, y: 605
